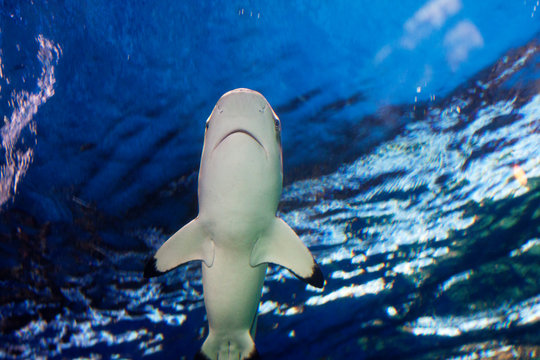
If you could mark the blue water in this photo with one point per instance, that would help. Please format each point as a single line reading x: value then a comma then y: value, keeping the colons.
x: 411, y: 144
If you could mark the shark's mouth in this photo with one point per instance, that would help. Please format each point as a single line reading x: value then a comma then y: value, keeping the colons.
x: 240, y: 131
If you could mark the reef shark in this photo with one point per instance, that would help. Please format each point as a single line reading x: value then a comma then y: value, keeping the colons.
x: 237, y: 233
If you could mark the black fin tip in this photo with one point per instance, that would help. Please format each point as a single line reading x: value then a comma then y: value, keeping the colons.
x: 150, y: 269
x: 200, y: 356
x: 317, y: 278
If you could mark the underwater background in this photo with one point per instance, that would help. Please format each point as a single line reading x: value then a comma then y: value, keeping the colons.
x: 411, y: 145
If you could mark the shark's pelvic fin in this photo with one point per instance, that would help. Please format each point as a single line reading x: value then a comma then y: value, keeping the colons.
x: 280, y: 245
x: 187, y: 244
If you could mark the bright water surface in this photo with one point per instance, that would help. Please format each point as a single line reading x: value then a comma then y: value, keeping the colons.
x: 411, y: 140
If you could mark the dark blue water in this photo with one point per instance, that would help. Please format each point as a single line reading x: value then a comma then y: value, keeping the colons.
x: 411, y: 143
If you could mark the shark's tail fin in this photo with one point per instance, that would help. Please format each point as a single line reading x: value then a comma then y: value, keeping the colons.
x: 228, y: 347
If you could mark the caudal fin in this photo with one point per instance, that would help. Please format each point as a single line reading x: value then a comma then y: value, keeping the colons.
x: 239, y: 347
x: 201, y: 356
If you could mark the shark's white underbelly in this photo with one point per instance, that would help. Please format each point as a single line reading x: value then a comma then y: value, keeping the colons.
x: 232, y: 291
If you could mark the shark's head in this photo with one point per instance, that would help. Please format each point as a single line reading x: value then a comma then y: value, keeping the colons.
x: 242, y: 149
x: 243, y: 113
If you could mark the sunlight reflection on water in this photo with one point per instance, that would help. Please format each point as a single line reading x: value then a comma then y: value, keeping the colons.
x: 25, y: 105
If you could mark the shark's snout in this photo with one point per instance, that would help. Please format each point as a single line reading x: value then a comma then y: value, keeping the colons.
x: 242, y: 102
x: 242, y: 90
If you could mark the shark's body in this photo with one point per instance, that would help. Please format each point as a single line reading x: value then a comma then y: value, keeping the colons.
x: 237, y: 233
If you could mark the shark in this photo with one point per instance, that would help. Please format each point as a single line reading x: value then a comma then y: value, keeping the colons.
x: 237, y: 232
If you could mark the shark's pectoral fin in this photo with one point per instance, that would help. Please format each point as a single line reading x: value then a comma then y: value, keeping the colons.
x: 280, y: 245
x: 187, y: 244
